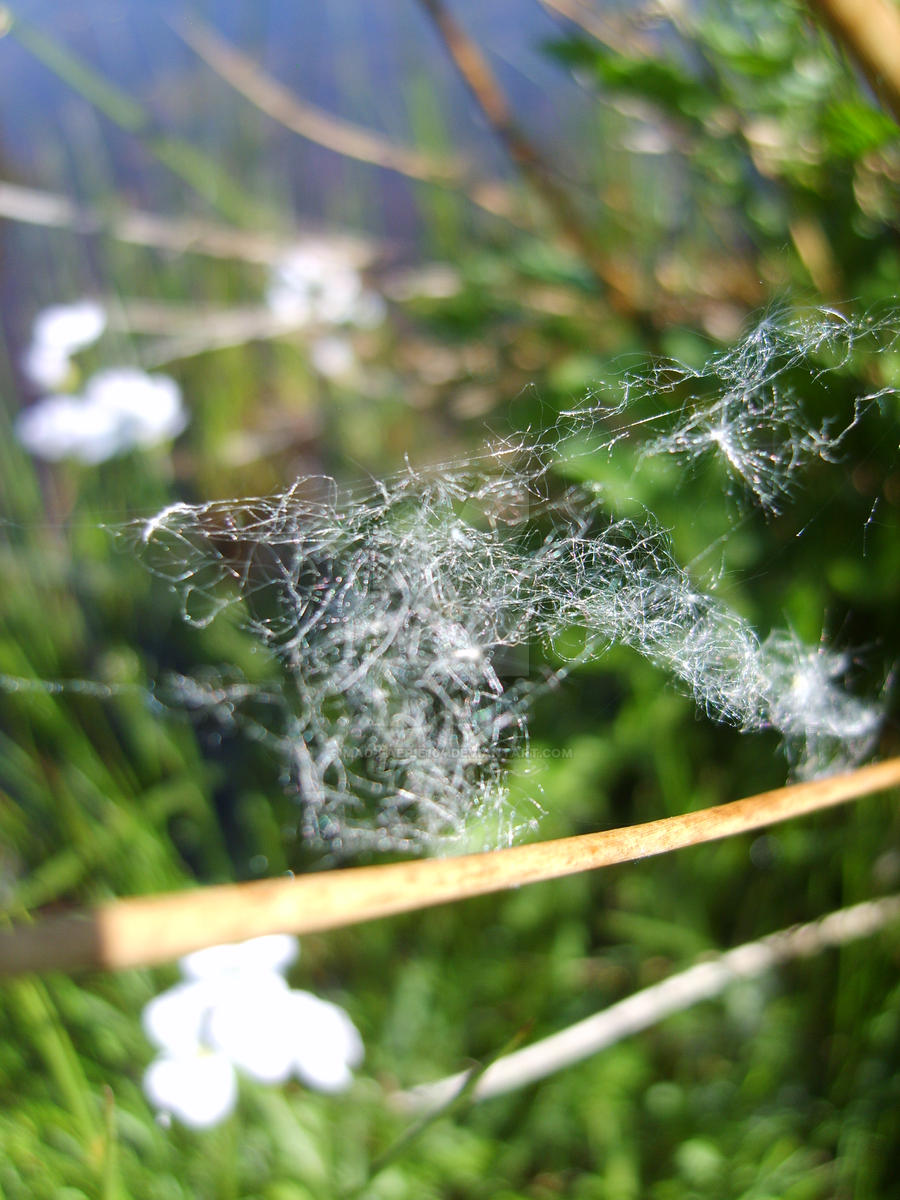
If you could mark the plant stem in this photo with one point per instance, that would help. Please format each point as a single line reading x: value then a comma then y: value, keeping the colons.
x: 483, y: 86
x: 144, y: 930
x: 643, y: 1009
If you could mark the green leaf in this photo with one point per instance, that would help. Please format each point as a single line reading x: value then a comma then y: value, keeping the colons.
x: 852, y: 129
x: 660, y: 81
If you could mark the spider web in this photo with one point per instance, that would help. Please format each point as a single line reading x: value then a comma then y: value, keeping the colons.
x: 388, y: 611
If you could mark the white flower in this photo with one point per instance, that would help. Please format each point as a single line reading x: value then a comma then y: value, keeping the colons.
x: 301, y: 1035
x: 145, y: 408
x: 58, y: 332
x: 235, y: 1010
x: 318, y: 284
x: 70, y: 327
x: 332, y: 356
x: 46, y: 366
x: 200, y: 1090
x: 275, y: 952
x: 121, y: 409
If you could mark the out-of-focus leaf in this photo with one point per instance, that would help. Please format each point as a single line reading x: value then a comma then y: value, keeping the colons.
x: 661, y: 81
x: 852, y: 129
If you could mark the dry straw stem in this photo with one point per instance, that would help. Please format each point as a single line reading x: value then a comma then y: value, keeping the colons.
x: 343, y: 137
x: 147, y: 930
x: 640, y: 1011
x: 870, y: 30
x: 178, y: 235
x: 185, y: 331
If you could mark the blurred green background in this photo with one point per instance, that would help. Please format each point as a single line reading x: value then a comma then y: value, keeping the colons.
x: 694, y: 164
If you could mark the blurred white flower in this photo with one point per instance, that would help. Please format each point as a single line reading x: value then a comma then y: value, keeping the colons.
x: 71, y: 327
x: 275, y: 952
x: 121, y: 408
x: 301, y: 1035
x: 318, y: 284
x: 199, y: 1089
x: 58, y: 333
x: 235, y: 1010
x: 46, y: 366
x: 146, y: 408
x: 332, y: 356
x: 65, y: 427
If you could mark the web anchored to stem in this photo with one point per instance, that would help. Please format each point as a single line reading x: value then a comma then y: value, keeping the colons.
x: 389, y: 612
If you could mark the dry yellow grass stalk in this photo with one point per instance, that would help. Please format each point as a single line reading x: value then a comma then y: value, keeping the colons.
x: 145, y: 930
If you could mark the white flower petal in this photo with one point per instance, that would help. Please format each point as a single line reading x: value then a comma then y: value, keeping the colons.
x: 326, y: 1043
x: 332, y: 356
x: 176, y: 1020
x: 275, y: 952
x: 148, y: 408
x: 50, y: 427
x: 46, y: 366
x: 288, y: 305
x: 69, y: 327
x: 250, y: 1025
x: 336, y: 301
x: 200, y: 1090
x: 64, y: 427
x: 323, y: 1072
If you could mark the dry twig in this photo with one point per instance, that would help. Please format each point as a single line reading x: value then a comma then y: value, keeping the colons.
x: 343, y: 137
x: 154, y: 929
x: 640, y: 1011
x: 178, y: 235
x: 480, y: 80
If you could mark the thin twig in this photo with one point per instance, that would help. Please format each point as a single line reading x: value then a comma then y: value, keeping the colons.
x: 307, y: 120
x: 201, y: 331
x: 343, y: 137
x: 181, y: 236
x: 154, y: 929
x: 181, y: 331
x: 646, y: 1008
x: 870, y: 30
x: 485, y: 89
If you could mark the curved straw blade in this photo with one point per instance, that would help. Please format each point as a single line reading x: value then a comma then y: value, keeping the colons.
x: 146, y: 930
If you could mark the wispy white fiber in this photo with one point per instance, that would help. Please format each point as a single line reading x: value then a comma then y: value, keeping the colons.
x: 741, y: 407
x: 392, y: 613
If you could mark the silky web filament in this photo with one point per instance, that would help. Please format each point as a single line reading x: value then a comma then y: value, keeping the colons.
x: 389, y: 613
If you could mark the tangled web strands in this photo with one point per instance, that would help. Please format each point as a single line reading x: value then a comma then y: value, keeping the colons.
x: 390, y: 612
x: 741, y: 406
